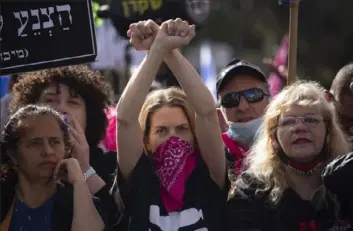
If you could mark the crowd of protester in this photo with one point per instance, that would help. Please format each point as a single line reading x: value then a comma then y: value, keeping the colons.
x: 262, y: 157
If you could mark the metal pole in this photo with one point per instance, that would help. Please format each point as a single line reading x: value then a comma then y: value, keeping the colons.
x: 293, y: 38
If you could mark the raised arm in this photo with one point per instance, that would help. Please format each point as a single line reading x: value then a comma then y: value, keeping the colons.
x: 129, y: 136
x: 208, y: 131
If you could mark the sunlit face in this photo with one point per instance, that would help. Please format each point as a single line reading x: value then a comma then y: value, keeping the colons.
x: 301, y: 132
x: 167, y: 122
x: 40, y: 148
x: 245, y: 111
x: 63, y: 99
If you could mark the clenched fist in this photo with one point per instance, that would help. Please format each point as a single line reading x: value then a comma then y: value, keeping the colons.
x: 142, y: 34
x: 175, y: 34
x: 172, y: 34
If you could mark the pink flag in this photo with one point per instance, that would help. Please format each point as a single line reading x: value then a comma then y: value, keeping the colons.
x: 275, y: 80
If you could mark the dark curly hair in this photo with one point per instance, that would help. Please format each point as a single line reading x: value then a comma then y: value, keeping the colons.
x: 90, y: 85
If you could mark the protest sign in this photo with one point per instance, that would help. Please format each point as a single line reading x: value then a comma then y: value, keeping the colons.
x: 124, y: 12
x: 39, y: 35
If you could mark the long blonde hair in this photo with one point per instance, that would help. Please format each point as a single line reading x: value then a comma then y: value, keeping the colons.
x: 263, y: 162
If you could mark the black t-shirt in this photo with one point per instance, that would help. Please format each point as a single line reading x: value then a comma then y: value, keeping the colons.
x: 204, y: 201
x: 105, y: 164
x: 250, y: 211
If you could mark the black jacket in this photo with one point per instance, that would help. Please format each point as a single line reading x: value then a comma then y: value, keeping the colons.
x: 250, y: 211
x: 105, y: 165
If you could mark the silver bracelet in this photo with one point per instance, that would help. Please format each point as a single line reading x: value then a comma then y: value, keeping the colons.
x: 90, y: 172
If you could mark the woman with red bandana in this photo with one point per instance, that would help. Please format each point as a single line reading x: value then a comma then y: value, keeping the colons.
x: 172, y: 167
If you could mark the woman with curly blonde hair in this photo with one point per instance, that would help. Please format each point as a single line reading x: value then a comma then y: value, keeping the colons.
x: 282, y: 187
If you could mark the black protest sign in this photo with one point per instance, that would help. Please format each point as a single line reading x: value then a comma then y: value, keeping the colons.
x: 39, y: 35
x: 136, y: 10
x: 195, y: 11
x: 124, y: 12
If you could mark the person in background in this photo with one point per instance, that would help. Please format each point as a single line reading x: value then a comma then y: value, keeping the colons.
x: 172, y: 168
x: 5, y: 101
x: 109, y: 143
x: 281, y: 189
x: 82, y: 96
x: 341, y: 89
x: 277, y: 77
x: 42, y: 187
x: 243, y: 96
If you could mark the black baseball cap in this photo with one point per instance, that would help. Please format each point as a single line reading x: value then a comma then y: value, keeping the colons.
x: 238, y: 67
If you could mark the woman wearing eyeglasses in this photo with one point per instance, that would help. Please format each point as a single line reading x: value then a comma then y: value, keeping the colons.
x: 243, y: 95
x: 282, y: 187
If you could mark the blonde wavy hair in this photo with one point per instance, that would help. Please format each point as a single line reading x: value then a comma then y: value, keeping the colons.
x: 263, y: 162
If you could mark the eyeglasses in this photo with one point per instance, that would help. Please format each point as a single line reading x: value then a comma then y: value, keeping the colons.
x: 252, y: 95
x: 311, y: 121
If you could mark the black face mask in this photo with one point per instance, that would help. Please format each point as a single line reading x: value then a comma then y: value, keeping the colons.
x: 305, y: 168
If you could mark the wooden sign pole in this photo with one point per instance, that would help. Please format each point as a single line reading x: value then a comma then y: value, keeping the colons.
x: 293, y: 38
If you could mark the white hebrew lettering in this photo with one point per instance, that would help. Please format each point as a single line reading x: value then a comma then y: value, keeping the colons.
x: 20, y: 54
x: 64, y: 8
x: 19, y: 16
x: 36, y: 26
x: 176, y: 220
x: 49, y: 23
x: 6, y: 55
x: 1, y: 25
x: 26, y: 51
x: 64, y: 12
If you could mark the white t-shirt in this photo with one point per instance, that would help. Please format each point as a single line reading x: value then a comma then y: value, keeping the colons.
x: 111, y: 49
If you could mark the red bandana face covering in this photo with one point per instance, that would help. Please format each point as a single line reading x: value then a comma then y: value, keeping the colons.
x: 174, y: 161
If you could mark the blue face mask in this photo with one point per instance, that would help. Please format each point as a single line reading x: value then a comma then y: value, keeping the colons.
x: 244, y: 133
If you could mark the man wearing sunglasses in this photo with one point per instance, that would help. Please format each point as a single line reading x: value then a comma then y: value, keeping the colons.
x: 243, y: 95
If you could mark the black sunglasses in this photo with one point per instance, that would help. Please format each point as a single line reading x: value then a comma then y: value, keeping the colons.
x: 252, y: 95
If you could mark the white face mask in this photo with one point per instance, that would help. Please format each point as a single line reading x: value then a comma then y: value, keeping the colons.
x: 244, y: 133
